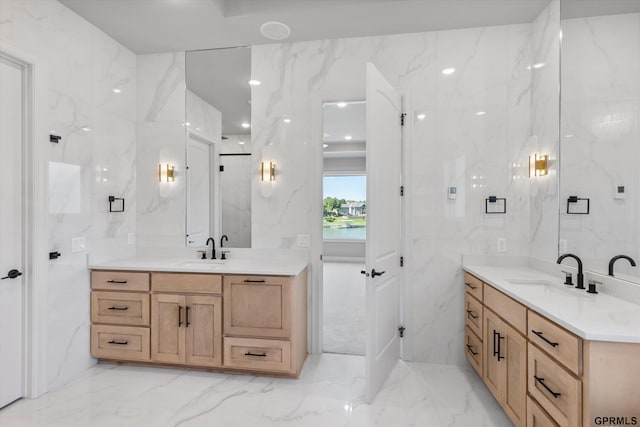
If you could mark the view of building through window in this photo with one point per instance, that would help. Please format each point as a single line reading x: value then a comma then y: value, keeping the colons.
x: 344, y: 207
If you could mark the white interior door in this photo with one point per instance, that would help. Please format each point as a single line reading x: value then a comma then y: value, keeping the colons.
x: 384, y: 138
x: 198, y: 191
x: 11, y: 254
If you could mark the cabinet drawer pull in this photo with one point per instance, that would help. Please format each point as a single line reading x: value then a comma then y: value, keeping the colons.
x: 471, y: 286
x: 117, y: 282
x: 470, y: 349
x: 254, y: 281
x: 255, y: 354
x: 542, y: 337
x: 115, y: 308
x: 187, y: 316
x: 497, y: 351
x: 470, y: 313
x: 541, y: 381
x: 118, y: 342
x: 179, y: 316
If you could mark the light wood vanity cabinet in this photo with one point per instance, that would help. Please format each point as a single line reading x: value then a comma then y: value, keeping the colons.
x: 177, y: 319
x: 545, y: 376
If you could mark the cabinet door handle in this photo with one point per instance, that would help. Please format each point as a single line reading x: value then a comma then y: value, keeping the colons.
x: 179, y: 316
x: 117, y: 282
x: 119, y: 342
x: 495, y: 346
x: 541, y: 381
x: 115, y: 308
x: 545, y: 339
x: 470, y: 313
x: 470, y: 349
x: 470, y: 285
x: 187, y: 316
x: 254, y: 281
x: 500, y: 356
x: 255, y: 354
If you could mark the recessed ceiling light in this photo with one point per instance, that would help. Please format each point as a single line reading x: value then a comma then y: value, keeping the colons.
x: 421, y: 116
x: 448, y: 71
x: 341, y: 104
x: 538, y: 65
x: 197, y: 128
x: 325, y: 145
x: 186, y: 124
x: 287, y: 120
x: 116, y: 90
x: 569, y: 135
x: 275, y: 30
x: 255, y: 82
x: 244, y: 125
x: 86, y: 129
x: 348, y: 137
x: 241, y: 142
x: 480, y: 113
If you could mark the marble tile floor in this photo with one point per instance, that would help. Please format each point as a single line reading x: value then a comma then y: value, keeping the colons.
x: 329, y: 393
x: 343, y: 308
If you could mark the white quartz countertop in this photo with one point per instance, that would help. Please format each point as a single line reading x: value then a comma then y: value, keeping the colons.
x: 597, y: 317
x: 272, y: 267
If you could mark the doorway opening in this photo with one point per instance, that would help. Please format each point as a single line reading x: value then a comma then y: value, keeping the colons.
x: 344, y: 229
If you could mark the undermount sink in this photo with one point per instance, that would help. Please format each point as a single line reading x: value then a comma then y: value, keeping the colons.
x: 202, y: 263
x: 536, y: 282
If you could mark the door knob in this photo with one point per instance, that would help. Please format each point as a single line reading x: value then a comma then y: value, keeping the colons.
x: 375, y: 273
x: 12, y: 274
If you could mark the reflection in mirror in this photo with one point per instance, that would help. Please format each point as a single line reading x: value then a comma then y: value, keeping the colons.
x: 219, y: 146
x: 600, y: 141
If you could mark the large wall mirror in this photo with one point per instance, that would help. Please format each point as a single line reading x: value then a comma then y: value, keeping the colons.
x: 600, y: 134
x: 218, y: 147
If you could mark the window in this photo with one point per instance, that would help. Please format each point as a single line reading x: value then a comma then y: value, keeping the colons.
x: 344, y: 207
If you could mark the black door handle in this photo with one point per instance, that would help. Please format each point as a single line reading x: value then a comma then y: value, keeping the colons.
x: 187, y: 316
x: 12, y: 274
x: 375, y: 273
x: 179, y: 316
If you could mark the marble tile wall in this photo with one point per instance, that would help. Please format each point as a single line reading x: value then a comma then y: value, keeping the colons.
x: 475, y: 136
x: 95, y: 159
x: 545, y: 124
x: 601, y: 138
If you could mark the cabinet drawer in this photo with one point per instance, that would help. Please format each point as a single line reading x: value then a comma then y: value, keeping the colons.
x: 257, y: 306
x: 120, y: 308
x: 507, y: 308
x: 119, y: 342
x: 536, y: 417
x: 555, y: 341
x: 250, y: 353
x: 191, y: 283
x: 119, y: 281
x: 473, y: 285
x: 555, y: 389
x: 473, y: 349
x: 473, y: 314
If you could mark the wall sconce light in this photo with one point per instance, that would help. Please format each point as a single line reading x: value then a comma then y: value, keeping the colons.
x: 538, y: 166
x: 268, y: 171
x: 166, y: 175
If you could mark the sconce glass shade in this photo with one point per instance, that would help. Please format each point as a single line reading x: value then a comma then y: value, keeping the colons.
x: 268, y: 171
x: 166, y: 175
x: 538, y: 166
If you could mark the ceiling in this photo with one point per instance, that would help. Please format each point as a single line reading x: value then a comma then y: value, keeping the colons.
x: 154, y: 26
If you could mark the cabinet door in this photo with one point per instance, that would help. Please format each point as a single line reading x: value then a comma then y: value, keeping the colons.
x: 167, y: 328
x: 203, y: 321
x: 492, y: 364
x: 514, y: 386
x: 257, y: 306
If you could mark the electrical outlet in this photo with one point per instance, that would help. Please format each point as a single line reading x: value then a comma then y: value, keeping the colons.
x: 501, y: 245
x: 562, y: 246
x: 131, y: 239
x: 78, y: 244
x: 303, y: 241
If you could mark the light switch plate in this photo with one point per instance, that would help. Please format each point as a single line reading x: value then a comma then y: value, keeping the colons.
x: 303, y: 241
x: 78, y: 244
x: 501, y: 245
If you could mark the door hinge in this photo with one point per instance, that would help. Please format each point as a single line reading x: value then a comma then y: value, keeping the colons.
x: 221, y: 168
x: 401, y: 261
x: 402, y: 190
x: 402, y: 116
x: 401, y: 330
x: 320, y: 257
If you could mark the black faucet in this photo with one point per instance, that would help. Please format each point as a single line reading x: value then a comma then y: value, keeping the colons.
x: 580, y: 284
x: 213, y: 247
x: 617, y: 257
x: 222, y: 239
